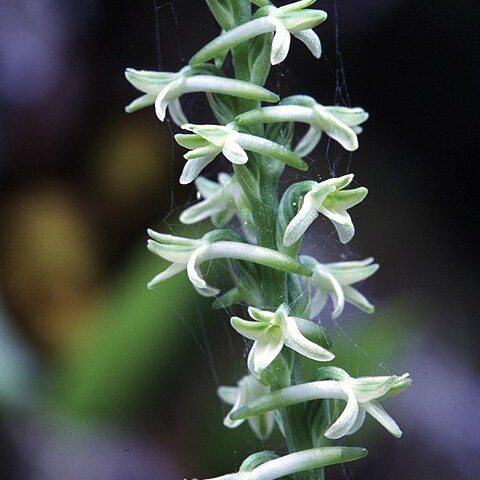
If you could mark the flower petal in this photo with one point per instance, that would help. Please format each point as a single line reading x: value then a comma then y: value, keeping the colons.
x: 323, y: 279
x: 308, y: 143
x: 318, y: 302
x: 176, y: 112
x: 354, y: 297
x: 228, y: 394
x: 233, y: 151
x: 195, y: 275
x: 336, y: 129
x: 261, y: 315
x: 171, y: 271
x: 262, y: 425
x: 358, y: 422
x: 251, y: 330
x: 296, y: 341
x: 346, y: 420
x: 382, y: 417
x: 266, y: 350
x: 341, y: 221
x: 140, y: 102
x: 280, y: 43
x: 349, y: 198
x: 300, y: 223
x: 311, y: 40
x: 193, y: 167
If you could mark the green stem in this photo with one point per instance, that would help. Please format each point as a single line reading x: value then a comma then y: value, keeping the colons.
x: 295, y: 425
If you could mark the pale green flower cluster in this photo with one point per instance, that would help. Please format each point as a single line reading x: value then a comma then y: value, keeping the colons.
x: 258, y: 234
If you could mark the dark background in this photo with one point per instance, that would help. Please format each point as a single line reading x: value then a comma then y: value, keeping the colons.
x: 81, y: 181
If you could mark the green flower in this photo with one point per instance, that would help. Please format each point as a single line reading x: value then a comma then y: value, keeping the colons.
x: 293, y: 19
x: 271, y: 331
x: 164, y: 89
x: 330, y: 199
x: 189, y: 254
x: 340, y: 123
x: 247, y: 389
x: 208, y: 141
x: 361, y: 395
x: 334, y: 280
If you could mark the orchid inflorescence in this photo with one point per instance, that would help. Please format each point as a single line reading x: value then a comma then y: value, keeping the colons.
x: 259, y: 235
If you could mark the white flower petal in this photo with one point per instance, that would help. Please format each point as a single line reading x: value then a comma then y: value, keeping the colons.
x: 252, y: 330
x: 323, y: 279
x: 311, y: 40
x: 354, y: 297
x: 171, y: 271
x: 318, y: 302
x: 296, y: 341
x: 336, y: 129
x: 262, y: 425
x: 140, y: 102
x: 300, y: 223
x: 195, y: 275
x: 229, y: 394
x: 161, y: 102
x: 280, y: 43
x: 346, y: 420
x: 193, y: 167
x: 176, y: 112
x: 233, y: 151
x: 266, y: 350
x: 308, y: 143
x: 379, y: 414
x: 358, y: 422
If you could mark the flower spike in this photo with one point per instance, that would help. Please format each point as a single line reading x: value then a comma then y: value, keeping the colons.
x: 248, y: 388
x: 293, y: 19
x: 329, y: 199
x: 164, y: 89
x: 271, y: 331
x: 208, y: 141
x: 334, y: 280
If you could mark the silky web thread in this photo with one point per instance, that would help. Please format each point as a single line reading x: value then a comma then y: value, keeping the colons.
x: 327, y: 242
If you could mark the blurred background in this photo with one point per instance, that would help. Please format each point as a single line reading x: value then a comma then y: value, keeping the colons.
x: 102, y: 379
